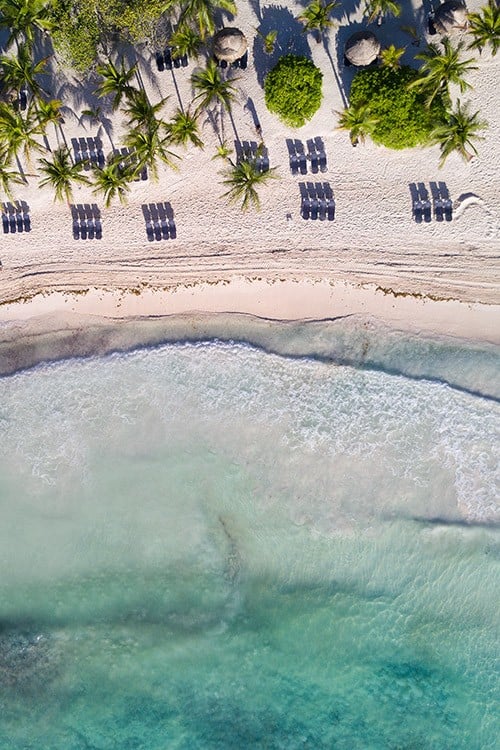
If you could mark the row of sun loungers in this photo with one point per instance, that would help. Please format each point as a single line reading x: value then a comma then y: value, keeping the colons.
x: 87, y: 223
x: 317, y: 201
x: 314, y: 160
x: 166, y: 61
x: 159, y: 220
x: 88, y: 150
x: 15, y: 217
x: 422, y: 208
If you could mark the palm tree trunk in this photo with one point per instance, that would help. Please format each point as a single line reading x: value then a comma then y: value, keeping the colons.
x: 177, y: 91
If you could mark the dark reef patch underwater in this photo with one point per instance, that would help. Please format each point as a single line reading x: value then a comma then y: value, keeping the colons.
x: 210, y: 546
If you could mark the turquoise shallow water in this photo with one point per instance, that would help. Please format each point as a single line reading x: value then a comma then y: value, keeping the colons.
x: 213, y: 547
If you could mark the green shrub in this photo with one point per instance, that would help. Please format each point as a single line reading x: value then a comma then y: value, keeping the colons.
x: 293, y: 90
x: 76, y: 34
x: 403, y: 119
x: 80, y: 26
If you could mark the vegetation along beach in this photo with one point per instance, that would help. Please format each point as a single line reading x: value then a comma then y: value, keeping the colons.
x: 249, y: 368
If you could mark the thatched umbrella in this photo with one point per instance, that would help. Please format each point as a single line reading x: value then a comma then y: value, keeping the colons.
x: 362, y: 48
x: 450, y: 17
x: 229, y: 44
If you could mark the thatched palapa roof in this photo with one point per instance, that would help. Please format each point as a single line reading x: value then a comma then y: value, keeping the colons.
x: 362, y: 48
x: 450, y: 17
x: 229, y: 44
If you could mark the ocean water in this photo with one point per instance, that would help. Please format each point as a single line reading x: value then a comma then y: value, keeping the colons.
x: 213, y: 546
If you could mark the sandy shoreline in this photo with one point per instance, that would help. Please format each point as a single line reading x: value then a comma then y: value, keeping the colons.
x: 55, y: 326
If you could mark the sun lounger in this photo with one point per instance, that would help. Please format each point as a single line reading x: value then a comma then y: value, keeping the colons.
x: 313, y: 157
x: 167, y: 59
x: 448, y: 209
x: 323, y: 166
x: 160, y: 62
x: 438, y: 209
x: 305, y: 208
x: 19, y: 222
x: 184, y: 60
x: 98, y: 229
x: 330, y: 209
x: 23, y: 100
x: 302, y: 164
x: 165, y: 229
x: 172, y: 229
x: 427, y: 211
x: 5, y: 223
x: 27, y: 223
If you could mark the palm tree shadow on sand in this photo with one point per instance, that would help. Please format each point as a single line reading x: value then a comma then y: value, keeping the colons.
x: 289, y: 39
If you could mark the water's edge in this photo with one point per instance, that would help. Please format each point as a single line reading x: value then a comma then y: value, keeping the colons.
x: 358, y: 341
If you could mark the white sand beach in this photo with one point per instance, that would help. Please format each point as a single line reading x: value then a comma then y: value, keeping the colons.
x: 373, y: 259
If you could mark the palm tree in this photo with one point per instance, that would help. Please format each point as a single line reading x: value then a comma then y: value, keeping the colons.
x: 8, y: 176
x: 49, y: 112
x: 112, y: 181
x: 212, y: 88
x: 183, y: 129
x: 24, y: 18
x: 148, y: 146
x: 358, y: 120
x: 316, y: 17
x: 458, y: 132
x: 222, y: 151
x: 141, y: 113
x: 377, y: 9
x: 442, y: 68
x: 243, y: 179
x: 18, y: 131
x: 116, y: 81
x: 268, y: 40
x: 185, y: 41
x: 60, y: 173
x: 202, y: 13
x: 391, y: 56
x: 19, y: 70
x: 485, y: 27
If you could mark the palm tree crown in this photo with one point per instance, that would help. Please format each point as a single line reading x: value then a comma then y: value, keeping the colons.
x: 185, y: 41
x: 316, y: 16
x: 19, y: 70
x: 60, y: 173
x: 212, y: 88
x: 148, y: 145
x: 112, y: 181
x: 202, y: 13
x: 243, y: 179
x: 116, y: 81
x: 24, y: 18
x: 141, y: 113
x: 358, y: 120
x: 485, y: 27
x: 8, y: 176
x: 391, y: 56
x: 442, y: 68
x: 183, y: 129
x: 18, y: 131
x: 458, y: 132
x: 377, y: 9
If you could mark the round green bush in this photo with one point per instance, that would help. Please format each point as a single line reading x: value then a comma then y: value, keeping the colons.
x: 404, y: 119
x: 293, y: 90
